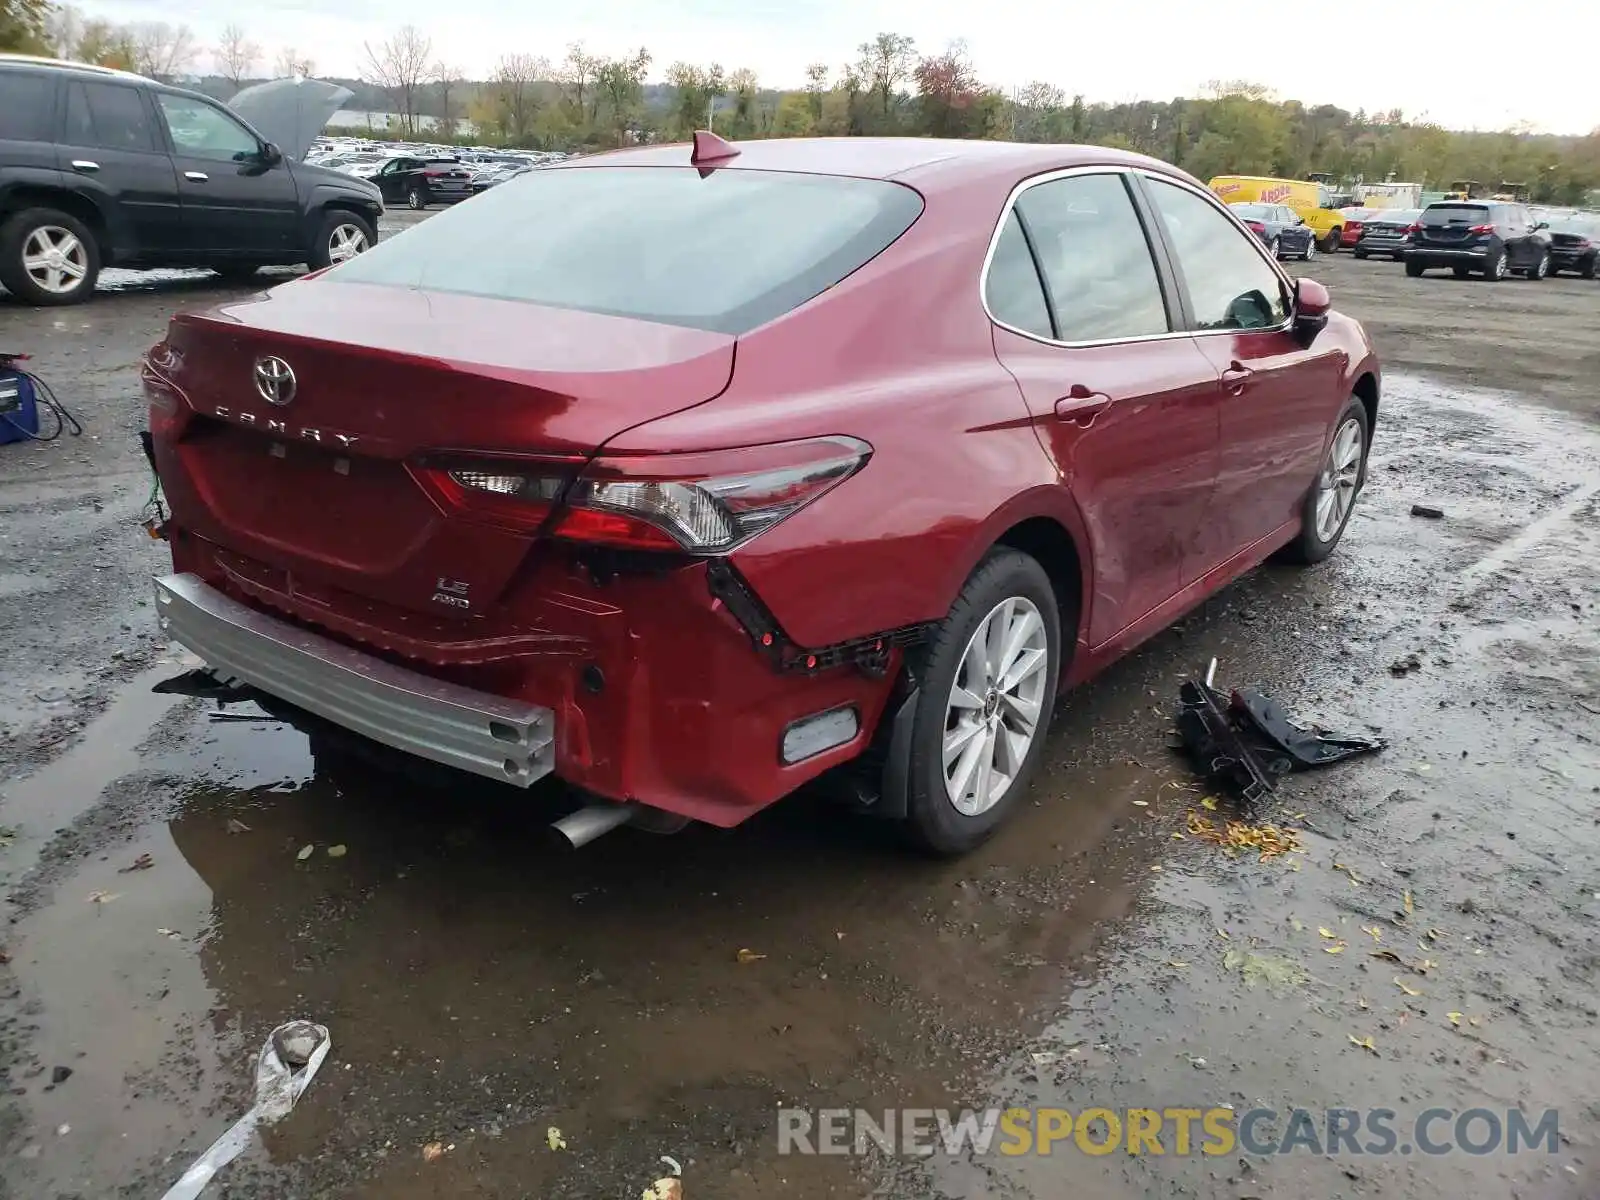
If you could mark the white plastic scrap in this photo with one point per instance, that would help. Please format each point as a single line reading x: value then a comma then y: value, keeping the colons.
x: 279, y: 1081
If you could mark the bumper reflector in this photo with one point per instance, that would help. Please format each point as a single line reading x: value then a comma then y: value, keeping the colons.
x: 810, y: 736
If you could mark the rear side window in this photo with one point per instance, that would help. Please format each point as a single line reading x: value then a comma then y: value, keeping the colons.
x: 109, y: 116
x: 1012, y: 288
x: 725, y: 252
x: 25, y: 103
x: 1095, y: 259
x: 1231, y: 286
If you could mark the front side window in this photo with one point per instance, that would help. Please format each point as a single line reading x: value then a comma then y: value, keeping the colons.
x: 1012, y: 288
x: 724, y: 252
x: 201, y: 131
x: 1095, y: 259
x: 1231, y: 286
x: 109, y: 116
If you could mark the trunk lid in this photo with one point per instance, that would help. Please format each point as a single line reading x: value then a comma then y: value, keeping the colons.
x: 323, y: 494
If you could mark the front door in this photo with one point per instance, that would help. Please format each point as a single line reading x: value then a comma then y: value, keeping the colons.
x: 233, y: 204
x: 1127, y: 411
x: 1274, y: 415
x: 109, y: 142
x: 393, y: 178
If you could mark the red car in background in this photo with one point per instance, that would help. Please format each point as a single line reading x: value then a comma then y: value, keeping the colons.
x: 1353, y: 221
x: 688, y: 476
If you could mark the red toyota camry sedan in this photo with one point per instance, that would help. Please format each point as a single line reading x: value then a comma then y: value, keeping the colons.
x: 685, y: 475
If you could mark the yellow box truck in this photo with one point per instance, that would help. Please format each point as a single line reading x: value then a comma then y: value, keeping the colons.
x: 1311, y: 202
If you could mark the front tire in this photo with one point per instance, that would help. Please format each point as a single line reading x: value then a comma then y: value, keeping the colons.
x: 1586, y: 269
x: 340, y: 237
x: 984, y: 709
x: 415, y: 200
x: 1333, y: 493
x: 1540, y: 269
x: 1275, y: 248
x: 1498, y: 267
x: 48, y: 257
x: 1331, y: 242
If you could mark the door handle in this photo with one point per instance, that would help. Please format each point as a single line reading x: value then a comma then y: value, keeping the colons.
x: 1081, y: 406
x: 197, y: 176
x: 83, y: 164
x: 1236, y: 377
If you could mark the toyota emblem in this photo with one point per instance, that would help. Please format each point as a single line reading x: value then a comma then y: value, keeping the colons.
x: 275, y: 380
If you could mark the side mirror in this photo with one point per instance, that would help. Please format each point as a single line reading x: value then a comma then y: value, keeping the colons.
x: 1541, y: 225
x: 1311, y: 307
x: 270, y: 156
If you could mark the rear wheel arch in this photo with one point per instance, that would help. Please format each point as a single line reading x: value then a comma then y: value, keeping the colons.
x: 1366, y: 390
x: 1047, y: 542
x: 76, y: 204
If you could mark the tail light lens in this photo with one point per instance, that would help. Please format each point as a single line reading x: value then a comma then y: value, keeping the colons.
x: 1417, y: 228
x: 703, y: 503
x: 1255, y: 226
x: 1480, y: 229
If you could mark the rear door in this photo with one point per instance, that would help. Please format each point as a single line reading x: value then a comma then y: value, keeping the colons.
x: 392, y: 178
x: 233, y: 204
x: 109, y: 141
x: 27, y: 125
x: 1275, y: 393
x: 1127, y: 411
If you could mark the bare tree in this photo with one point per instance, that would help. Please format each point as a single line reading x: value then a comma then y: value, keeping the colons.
x: 514, y: 96
x: 64, y: 30
x: 816, y: 87
x: 577, y: 77
x: 289, y: 63
x: 237, y: 55
x: 400, y: 67
x: 445, y: 79
x: 161, y: 50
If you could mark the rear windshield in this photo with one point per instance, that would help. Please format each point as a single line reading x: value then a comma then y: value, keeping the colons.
x: 1252, y: 212
x: 725, y: 253
x: 1447, y: 214
x: 1583, y: 226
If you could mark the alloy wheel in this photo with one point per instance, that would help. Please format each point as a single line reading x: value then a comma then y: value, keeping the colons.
x: 1336, y: 487
x: 1311, y: 247
x: 55, y: 259
x: 1543, y: 267
x: 345, y: 242
x: 996, y: 698
x: 1502, y: 266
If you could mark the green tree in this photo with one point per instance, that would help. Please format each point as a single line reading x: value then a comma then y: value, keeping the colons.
x: 695, y: 90
x: 24, y: 25
x: 619, y: 83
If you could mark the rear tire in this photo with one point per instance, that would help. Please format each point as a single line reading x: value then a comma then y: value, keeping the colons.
x: 1331, y: 242
x: 995, y: 733
x: 48, y: 257
x: 1275, y: 248
x: 415, y: 199
x: 1587, y: 267
x: 1332, y: 496
x: 1359, y: 253
x: 1310, y: 251
x: 1414, y: 268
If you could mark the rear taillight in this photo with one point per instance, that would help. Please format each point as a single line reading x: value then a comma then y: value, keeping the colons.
x: 704, y: 503
x: 1480, y: 229
x: 1414, y: 228
x: 1255, y: 226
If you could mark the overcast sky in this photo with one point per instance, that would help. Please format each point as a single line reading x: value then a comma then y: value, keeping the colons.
x: 1484, y: 64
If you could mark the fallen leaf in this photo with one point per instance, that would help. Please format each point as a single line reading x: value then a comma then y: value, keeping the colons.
x: 1361, y: 1003
x: 749, y: 956
x: 1172, y: 962
x: 143, y: 863
x: 1177, y: 837
x: 234, y: 826
x: 1269, y: 841
x: 664, y: 1189
x: 432, y: 1151
x: 554, y: 1138
x: 1223, y: 934
x: 1294, y: 864
x: 170, y: 933
x: 1157, y: 867
x: 1209, y: 803
x: 1355, y: 879
x: 337, y: 851
x: 1409, y: 907
x: 839, y: 933
x: 1365, y: 1043
x: 1141, y: 804
x: 1297, y: 924
x: 305, y: 853
x: 103, y: 897
x: 1405, y: 987
x: 1455, y: 1019
x: 1326, y: 932
x: 1433, y: 935
x: 1339, y: 949
x: 1377, y: 934
x: 1426, y: 965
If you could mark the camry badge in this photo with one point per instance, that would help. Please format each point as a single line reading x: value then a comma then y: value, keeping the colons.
x: 275, y: 382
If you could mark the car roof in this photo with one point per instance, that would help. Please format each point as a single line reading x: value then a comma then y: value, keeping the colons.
x: 924, y: 162
x: 61, y: 64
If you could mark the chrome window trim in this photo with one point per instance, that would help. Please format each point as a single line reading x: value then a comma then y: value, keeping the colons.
x: 1146, y: 173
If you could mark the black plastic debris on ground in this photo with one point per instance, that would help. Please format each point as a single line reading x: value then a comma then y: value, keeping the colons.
x: 1245, y: 741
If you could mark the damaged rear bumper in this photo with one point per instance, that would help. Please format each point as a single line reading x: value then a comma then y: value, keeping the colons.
x: 475, y: 731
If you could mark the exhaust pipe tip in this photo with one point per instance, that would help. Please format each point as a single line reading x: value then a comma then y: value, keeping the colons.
x: 578, y: 829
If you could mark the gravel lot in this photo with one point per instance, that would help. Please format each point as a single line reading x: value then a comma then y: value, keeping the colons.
x: 482, y: 989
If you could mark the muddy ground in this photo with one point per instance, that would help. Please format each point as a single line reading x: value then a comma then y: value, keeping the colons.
x: 481, y: 988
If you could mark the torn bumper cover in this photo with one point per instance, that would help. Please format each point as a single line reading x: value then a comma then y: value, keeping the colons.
x: 1247, y: 740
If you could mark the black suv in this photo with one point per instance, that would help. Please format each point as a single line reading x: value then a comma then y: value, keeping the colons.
x: 101, y: 168
x: 1490, y: 237
x: 424, y: 181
